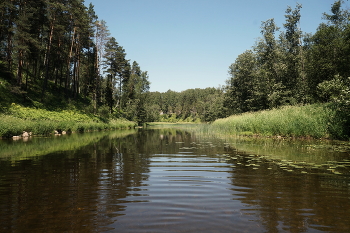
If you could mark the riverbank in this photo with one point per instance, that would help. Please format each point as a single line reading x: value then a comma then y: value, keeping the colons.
x: 22, y: 121
x: 316, y: 121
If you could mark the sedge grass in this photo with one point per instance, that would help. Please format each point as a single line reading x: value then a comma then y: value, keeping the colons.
x: 290, y: 121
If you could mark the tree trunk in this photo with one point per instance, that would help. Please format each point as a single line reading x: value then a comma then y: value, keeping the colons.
x: 95, y: 80
x: 47, y: 60
x: 20, y: 67
x: 78, y: 70
x: 67, y: 84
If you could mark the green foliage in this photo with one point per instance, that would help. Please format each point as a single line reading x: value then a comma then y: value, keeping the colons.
x: 335, y: 90
x: 55, y: 65
x: 43, y: 122
x: 42, y: 114
x: 189, y: 105
x: 285, y: 71
x: 337, y: 93
x: 310, y: 120
x: 152, y: 112
x: 51, y: 58
x: 10, y: 126
x: 104, y: 111
x: 135, y: 94
x: 293, y: 68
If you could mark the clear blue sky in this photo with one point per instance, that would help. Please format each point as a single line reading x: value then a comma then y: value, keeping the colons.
x: 187, y: 44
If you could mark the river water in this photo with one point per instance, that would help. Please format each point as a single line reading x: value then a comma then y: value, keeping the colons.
x: 172, y: 180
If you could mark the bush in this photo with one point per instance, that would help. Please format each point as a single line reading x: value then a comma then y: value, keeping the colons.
x: 11, y: 126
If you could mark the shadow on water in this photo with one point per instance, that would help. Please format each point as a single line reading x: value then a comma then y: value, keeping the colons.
x: 71, y: 183
x: 168, y: 179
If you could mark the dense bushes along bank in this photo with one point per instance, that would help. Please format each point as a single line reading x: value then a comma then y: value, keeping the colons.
x: 17, y: 119
x: 317, y: 121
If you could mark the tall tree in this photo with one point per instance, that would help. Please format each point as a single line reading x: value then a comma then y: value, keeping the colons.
x: 22, y: 36
x: 134, y: 93
x: 242, y: 83
x: 111, y: 67
x: 102, y: 36
x: 329, y: 51
x: 8, y: 13
x: 117, y: 67
x: 270, y: 69
x: 294, y: 78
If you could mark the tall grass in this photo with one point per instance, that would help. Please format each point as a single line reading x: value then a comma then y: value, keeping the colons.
x: 295, y: 121
x: 42, y: 122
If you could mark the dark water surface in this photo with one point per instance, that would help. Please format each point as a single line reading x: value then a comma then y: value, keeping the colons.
x: 169, y: 180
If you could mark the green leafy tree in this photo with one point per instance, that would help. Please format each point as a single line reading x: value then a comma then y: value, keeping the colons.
x: 242, y: 83
x: 294, y: 78
x: 329, y: 51
x: 337, y: 93
x: 270, y: 91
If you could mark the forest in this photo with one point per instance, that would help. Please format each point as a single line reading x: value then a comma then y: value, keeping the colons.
x: 58, y: 54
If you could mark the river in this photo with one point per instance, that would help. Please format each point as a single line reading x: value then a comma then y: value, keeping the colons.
x: 173, y: 180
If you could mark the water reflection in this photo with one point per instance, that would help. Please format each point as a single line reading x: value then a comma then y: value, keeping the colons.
x: 163, y: 180
x: 286, y: 202
x: 72, y: 191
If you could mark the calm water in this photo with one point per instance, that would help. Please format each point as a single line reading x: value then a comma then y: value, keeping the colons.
x: 168, y: 180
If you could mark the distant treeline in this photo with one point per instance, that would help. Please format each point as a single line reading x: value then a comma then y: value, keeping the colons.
x: 189, y: 105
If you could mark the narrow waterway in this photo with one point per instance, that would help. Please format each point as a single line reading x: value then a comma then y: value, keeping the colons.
x: 171, y: 180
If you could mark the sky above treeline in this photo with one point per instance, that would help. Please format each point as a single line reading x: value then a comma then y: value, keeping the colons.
x: 186, y: 44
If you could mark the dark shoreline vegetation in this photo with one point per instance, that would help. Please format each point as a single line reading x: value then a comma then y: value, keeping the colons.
x: 60, y: 70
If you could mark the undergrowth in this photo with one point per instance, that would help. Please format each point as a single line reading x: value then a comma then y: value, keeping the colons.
x: 16, y: 119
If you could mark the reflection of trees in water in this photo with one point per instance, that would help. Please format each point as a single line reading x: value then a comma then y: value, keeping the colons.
x: 74, y: 191
x: 87, y: 189
x: 82, y: 190
x: 293, y: 203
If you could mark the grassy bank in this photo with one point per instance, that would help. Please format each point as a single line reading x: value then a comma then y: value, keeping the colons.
x: 317, y: 121
x: 16, y: 119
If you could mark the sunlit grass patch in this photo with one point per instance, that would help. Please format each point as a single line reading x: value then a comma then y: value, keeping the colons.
x: 42, y: 122
x: 293, y: 121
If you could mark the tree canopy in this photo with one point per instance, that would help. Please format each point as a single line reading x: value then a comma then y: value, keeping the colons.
x: 293, y: 67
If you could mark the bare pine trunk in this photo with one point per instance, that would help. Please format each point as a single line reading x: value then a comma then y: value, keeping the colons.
x: 47, y: 60
x: 20, y: 67
x: 67, y: 84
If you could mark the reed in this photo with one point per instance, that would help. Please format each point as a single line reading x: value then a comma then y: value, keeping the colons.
x: 291, y: 121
